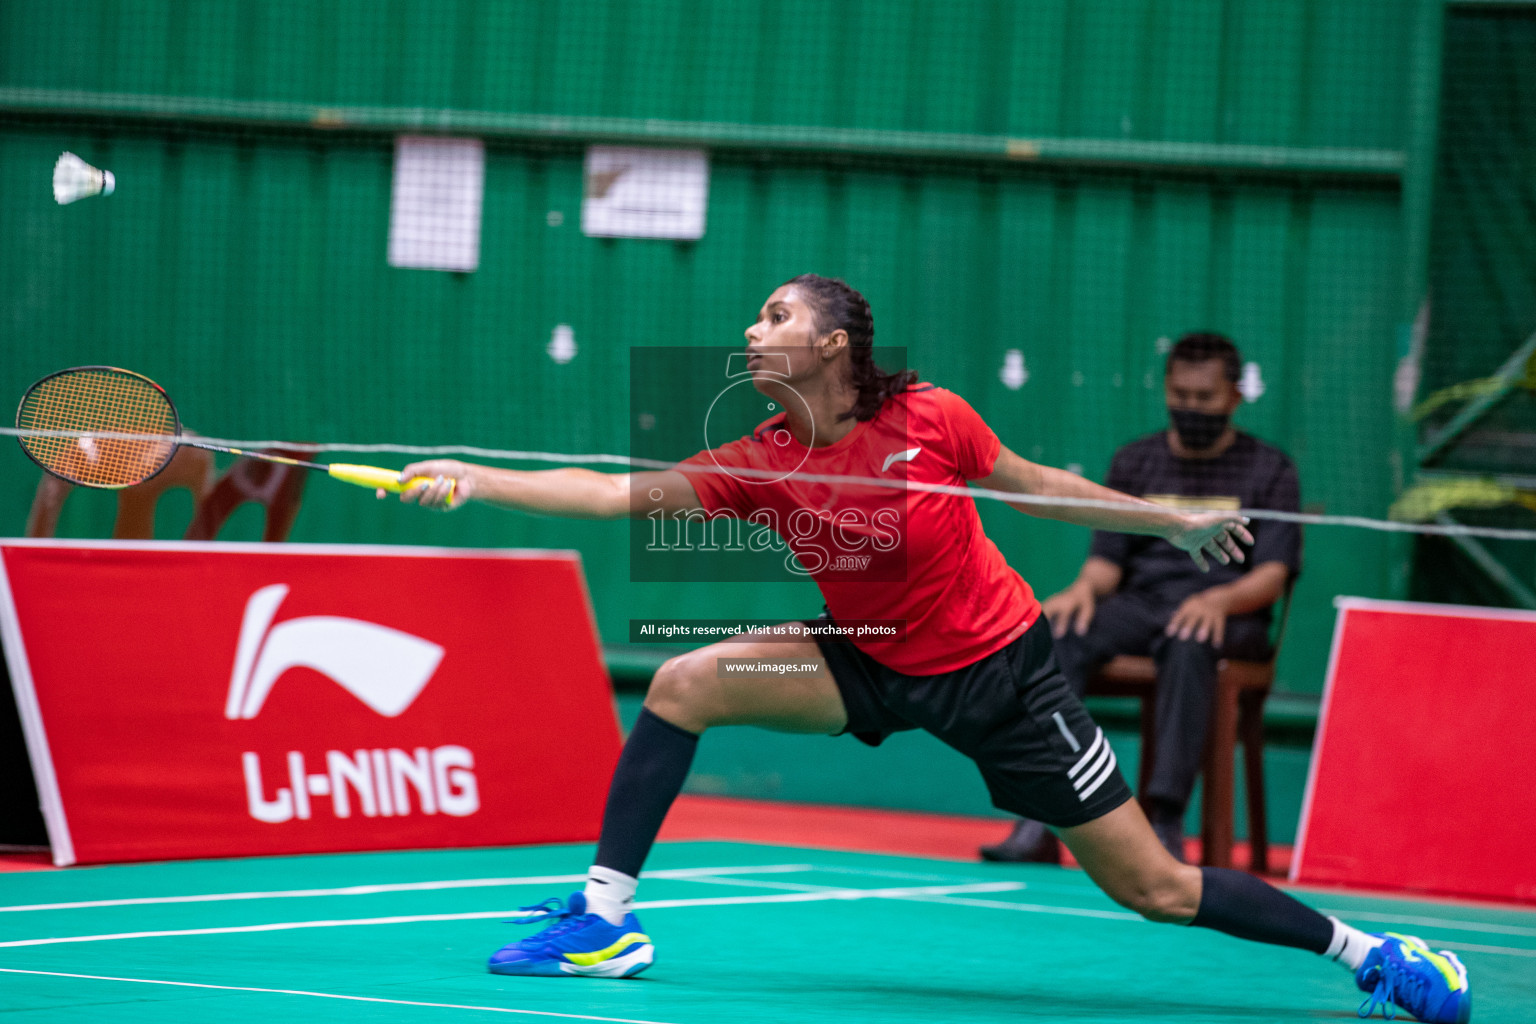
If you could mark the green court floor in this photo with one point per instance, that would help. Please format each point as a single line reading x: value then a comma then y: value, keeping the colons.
x: 743, y: 933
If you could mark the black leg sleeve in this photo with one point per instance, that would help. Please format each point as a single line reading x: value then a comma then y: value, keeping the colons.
x: 648, y: 778
x: 1241, y: 905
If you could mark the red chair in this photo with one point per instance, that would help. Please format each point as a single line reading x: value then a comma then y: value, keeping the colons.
x: 191, y: 468
x: 275, y: 487
x: 1241, y: 688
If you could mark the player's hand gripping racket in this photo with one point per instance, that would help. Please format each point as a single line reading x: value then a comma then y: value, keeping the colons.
x: 74, y: 416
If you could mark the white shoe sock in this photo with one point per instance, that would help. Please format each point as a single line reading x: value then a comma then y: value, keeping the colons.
x: 1350, y: 945
x: 610, y: 894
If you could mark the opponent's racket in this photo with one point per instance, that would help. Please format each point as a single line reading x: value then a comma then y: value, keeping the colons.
x: 72, y: 409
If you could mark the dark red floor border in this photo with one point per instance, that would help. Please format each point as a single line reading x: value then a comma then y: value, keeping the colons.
x: 866, y: 829
x: 26, y: 862
x: 859, y: 829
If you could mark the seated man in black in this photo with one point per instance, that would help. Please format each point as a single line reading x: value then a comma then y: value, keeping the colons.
x: 1137, y: 595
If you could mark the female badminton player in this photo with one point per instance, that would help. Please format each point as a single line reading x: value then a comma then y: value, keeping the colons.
x: 974, y: 668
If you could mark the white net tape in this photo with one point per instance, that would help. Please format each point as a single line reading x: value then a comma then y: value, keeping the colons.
x: 627, y: 462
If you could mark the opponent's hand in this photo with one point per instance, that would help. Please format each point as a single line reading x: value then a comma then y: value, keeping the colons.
x: 1201, y: 617
x: 1212, y: 533
x: 1071, y: 609
x: 448, y: 477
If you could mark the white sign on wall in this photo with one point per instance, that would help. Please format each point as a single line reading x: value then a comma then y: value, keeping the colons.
x: 434, y: 214
x: 634, y: 192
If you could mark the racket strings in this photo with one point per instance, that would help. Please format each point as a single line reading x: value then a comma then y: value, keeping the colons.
x: 96, y: 401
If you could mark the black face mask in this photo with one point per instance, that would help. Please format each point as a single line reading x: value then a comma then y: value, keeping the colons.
x: 1198, y: 430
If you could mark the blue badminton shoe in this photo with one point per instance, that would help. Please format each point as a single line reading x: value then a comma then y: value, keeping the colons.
x: 575, y: 942
x: 1404, y: 973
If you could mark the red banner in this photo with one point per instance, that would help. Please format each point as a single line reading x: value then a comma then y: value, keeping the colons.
x: 207, y: 700
x: 1421, y: 773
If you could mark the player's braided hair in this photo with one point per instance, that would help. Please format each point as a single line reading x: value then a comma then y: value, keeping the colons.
x: 836, y: 305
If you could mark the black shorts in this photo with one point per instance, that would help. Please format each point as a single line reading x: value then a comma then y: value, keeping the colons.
x: 1012, y: 712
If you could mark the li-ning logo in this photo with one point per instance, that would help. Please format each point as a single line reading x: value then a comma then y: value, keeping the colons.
x: 382, y: 667
x: 906, y: 456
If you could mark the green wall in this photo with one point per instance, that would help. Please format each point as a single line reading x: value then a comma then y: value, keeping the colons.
x: 242, y: 262
x: 1269, y: 72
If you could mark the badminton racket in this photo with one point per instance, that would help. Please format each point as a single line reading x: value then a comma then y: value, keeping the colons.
x: 101, y: 426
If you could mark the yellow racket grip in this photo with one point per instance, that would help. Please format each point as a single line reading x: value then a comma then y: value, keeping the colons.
x: 373, y: 476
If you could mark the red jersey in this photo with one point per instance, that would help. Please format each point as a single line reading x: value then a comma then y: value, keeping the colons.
x: 883, y: 552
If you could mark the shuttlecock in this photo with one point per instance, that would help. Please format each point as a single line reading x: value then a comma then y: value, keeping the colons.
x: 73, y: 179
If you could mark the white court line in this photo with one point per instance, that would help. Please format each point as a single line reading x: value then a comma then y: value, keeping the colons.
x: 909, y: 876
x: 369, y: 890
x: 900, y: 893
x: 1437, y: 922
x: 333, y: 995
x: 1031, y: 908
x: 786, y: 886
x: 957, y: 901
x: 278, y: 926
x: 946, y: 894
x: 1468, y: 947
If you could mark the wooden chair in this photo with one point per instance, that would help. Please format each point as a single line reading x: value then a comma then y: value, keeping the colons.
x: 1241, y: 688
x: 276, y: 488
x: 191, y: 468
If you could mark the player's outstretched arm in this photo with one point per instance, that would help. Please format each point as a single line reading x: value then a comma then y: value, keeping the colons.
x: 1202, y: 534
x: 571, y: 493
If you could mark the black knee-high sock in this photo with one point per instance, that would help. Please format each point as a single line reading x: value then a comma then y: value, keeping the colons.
x: 1239, y: 904
x: 648, y: 778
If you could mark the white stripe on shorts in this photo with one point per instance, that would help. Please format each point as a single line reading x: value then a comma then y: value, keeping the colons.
x: 1093, y: 748
x: 1105, y: 754
x: 1109, y: 769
